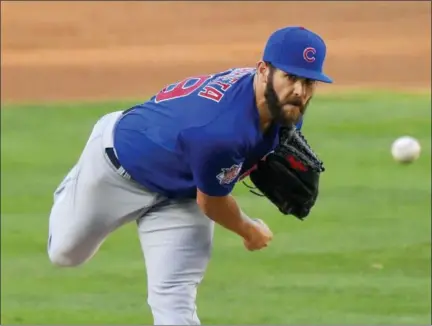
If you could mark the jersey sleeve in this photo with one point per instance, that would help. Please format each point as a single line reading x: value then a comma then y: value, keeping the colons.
x: 215, y: 161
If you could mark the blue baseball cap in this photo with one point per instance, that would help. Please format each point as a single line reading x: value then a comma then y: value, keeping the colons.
x: 297, y: 51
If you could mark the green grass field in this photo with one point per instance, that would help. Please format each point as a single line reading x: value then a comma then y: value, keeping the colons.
x: 362, y: 257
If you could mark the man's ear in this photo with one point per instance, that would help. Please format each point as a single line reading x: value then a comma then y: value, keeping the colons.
x: 262, y: 70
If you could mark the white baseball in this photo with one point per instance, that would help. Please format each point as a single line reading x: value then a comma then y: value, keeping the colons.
x: 406, y: 149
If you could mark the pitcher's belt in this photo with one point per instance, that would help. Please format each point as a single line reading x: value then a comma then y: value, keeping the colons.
x: 112, y: 157
x: 110, y: 153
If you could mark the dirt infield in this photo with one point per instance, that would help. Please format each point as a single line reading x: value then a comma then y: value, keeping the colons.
x: 66, y: 50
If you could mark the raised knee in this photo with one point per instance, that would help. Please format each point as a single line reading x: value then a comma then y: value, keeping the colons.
x: 64, y: 258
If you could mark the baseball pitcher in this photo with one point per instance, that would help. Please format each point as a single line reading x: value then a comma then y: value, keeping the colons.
x: 170, y: 165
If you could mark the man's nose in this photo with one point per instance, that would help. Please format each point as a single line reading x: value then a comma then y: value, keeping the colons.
x: 298, y: 88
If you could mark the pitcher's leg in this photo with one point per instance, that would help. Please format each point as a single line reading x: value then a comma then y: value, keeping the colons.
x: 91, y: 202
x: 68, y: 243
x: 177, y: 242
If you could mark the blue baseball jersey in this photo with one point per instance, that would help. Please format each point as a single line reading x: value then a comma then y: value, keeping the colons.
x: 202, y: 132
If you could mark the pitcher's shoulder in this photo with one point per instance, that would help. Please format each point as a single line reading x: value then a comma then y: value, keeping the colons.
x: 222, y: 86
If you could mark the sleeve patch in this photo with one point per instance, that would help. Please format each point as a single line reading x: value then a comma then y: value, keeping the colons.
x: 228, y: 175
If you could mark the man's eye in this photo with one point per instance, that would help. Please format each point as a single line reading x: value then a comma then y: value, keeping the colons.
x: 306, y: 81
x: 292, y: 78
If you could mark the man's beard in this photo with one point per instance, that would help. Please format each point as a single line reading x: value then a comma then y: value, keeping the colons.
x: 276, y: 108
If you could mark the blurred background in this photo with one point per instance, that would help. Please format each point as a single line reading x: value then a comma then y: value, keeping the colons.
x: 364, y: 254
x: 57, y: 50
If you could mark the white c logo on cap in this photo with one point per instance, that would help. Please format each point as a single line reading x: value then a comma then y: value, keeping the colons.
x: 308, y: 54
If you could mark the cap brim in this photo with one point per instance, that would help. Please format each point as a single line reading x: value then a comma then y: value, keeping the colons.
x: 305, y: 73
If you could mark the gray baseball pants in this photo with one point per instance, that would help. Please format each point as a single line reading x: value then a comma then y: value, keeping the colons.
x: 94, y: 199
